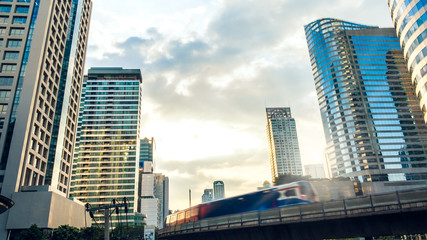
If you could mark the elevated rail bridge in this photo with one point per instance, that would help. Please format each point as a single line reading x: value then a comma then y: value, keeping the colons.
x: 396, y: 213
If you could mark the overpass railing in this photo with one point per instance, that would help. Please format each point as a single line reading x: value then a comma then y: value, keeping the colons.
x: 400, y: 201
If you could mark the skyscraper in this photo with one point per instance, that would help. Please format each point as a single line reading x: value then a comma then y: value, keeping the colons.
x: 43, y: 47
x: 107, y: 146
x: 283, y: 142
x: 218, y: 190
x: 409, y: 18
x: 207, y: 195
x: 147, y: 147
x: 373, y: 126
x: 161, y: 192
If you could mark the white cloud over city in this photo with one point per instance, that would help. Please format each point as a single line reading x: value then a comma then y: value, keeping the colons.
x: 210, y: 68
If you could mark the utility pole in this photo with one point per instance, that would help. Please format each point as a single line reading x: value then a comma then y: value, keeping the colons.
x: 106, y: 212
x: 107, y: 224
x: 189, y: 193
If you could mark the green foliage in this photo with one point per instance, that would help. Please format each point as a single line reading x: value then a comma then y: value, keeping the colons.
x: 32, y: 233
x: 65, y: 232
x: 128, y: 233
x: 92, y: 233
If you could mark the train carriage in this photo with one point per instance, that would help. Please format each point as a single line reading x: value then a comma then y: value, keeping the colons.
x: 278, y: 196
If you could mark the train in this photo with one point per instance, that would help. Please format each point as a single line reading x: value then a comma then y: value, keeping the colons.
x: 295, y: 193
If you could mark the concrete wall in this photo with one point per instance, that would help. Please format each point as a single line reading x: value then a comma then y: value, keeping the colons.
x: 47, y: 210
x: 384, y: 187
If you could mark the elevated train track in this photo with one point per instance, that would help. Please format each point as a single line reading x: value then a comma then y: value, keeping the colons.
x: 397, y: 213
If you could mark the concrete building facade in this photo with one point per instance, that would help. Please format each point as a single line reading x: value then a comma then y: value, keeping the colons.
x: 43, y: 48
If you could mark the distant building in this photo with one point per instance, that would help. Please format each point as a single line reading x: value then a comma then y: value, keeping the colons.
x: 265, y: 185
x: 161, y: 192
x: 147, y: 148
x: 149, y: 203
x: 283, y: 143
x: 207, y: 195
x: 315, y: 170
x: 154, y: 187
x: 219, y: 190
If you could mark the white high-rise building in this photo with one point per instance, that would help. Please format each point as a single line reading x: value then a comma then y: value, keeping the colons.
x: 283, y: 142
x: 43, y: 47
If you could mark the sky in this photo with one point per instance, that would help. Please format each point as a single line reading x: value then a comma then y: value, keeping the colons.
x: 210, y: 67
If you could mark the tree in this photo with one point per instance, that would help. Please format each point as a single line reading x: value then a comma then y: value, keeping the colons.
x: 128, y: 233
x: 32, y: 233
x: 65, y: 232
x: 288, y: 178
x: 92, y: 233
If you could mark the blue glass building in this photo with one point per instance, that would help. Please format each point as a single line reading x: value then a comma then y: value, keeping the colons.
x: 409, y: 18
x: 373, y: 126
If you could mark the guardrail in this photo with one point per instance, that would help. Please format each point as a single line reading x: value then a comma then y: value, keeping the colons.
x: 400, y: 201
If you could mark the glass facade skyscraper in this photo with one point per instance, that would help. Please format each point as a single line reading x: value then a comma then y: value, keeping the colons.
x: 409, y: 18
x: 218, y: 190
x: 373, y: 126
x: 147, y: 148
x: 283, y: 143
x: 106, y: 155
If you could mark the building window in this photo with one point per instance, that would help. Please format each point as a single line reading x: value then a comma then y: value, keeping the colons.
x: 14, y: 43
x: 2, y: 30
x: 11, y: 56
x: 22, y: 9
x: 6, y: 81
x: 4, y: 95
x: 3, y: 108
x: 5, y: 9
x: 19, y: 20
x: 23, y: 1
x: 8, y: 68
x: 4, y: 19
x: 16, y: 31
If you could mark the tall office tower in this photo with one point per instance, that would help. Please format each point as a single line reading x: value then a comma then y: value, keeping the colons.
x: 106, y: 156
x: 409, y: 18
x: 207, y: 195
x: 219, y: 190
x: 43, y: 47
x: 373, y: 126
x: 314, y: 170
x: 283, y: 142
x: 148, y: 204
x: 147, y: 148
x: 161, y: 192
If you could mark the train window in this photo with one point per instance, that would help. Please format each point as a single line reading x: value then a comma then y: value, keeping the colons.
x: 304, y: 190
x: 291, y: 193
